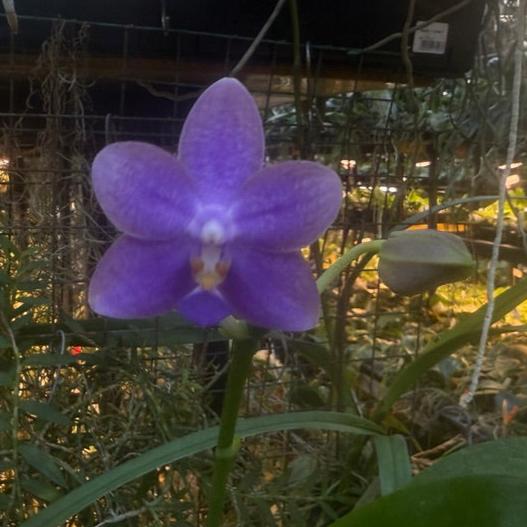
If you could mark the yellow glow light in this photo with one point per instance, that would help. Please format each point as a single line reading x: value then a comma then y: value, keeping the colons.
x: 512, y: 180
x: 4, y: 176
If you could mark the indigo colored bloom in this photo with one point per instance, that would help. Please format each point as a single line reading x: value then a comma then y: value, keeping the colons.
x: 412, y: 262
x: 211, y: 232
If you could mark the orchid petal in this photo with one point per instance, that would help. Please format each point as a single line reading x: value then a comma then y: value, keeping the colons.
x: 204, y: 308
x: 222, y: 141
x: 139, y: 279
x: 272, y: 290
x: 143, y: 190
x: 286, y: 206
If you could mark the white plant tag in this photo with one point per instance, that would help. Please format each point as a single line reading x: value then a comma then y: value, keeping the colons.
x: 431, y: 39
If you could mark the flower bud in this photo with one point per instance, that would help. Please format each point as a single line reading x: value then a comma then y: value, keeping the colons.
x: 412, y: 262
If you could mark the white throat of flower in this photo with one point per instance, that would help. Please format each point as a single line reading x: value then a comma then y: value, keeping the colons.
x: 210, y: 268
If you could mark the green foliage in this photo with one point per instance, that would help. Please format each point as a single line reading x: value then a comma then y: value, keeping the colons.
x: 42, y: 462
x: 54, y: 515
x: 482, y: 485
x: 504, y: 457
x: 486, y: 501
x: 449, y: 341
x: 46, y: 392
x: 44, y: 411
x: 393, y: 461
x: 394, y: 469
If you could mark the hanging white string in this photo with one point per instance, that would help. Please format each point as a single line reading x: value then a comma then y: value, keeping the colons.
x: 467, y: 397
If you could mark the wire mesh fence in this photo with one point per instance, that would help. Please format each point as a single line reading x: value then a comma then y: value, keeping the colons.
x: 400, y: 152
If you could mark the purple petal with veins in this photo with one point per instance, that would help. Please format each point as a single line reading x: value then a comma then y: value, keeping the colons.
x: 143, y: 190
x: 222, y: 141
x: 288, y: 205
x: 272, y: 290
x: 138, y: 278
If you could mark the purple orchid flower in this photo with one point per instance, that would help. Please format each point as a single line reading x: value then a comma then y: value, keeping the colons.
x: 212, y: 232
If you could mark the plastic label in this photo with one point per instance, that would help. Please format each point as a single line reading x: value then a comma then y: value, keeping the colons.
x: 431, y: 39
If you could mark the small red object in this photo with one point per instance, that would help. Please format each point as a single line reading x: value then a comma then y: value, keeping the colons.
x: 75, y: 350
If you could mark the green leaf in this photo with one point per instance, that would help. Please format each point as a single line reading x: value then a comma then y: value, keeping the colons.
x: 162, y: 331
x: 41, y: 489
x: 503, y: 457
x: 315, y: 353
x: 308, y: 397
x: 395, y: 470
x: 50, y: 360
x: 8, y: 247
x: 31, y: 266
x: 31, y: 285
x: 4, y: 278
x: 6, y: 465
x: 4, y: 501
x: 301, y: 469
x: 500, y: 464
x: 426, y: 214
x: 28, y: 303
x: 42, y: 462
x: 319, y: 356
x: 22, y: 321
x: 44, y: 411
x: 470, y: 501
x: 372, y: 492
x: 57, y: 513
x: 7, y: 377
x: 33, y: 300
x: 5, y: 422
x: 448, y: 342
x: 4, y: 342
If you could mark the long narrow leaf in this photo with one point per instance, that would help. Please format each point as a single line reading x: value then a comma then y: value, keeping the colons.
x: 41, y: 489
x: 161, y: 331
x: 395, y: 470
x: 43, y: 462
x: 59, y: 511
x: 447, y: 343
x: 44, y: 411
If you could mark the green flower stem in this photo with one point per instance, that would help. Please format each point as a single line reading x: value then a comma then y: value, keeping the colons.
x: 227, y: 446
x: 330, y: 275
